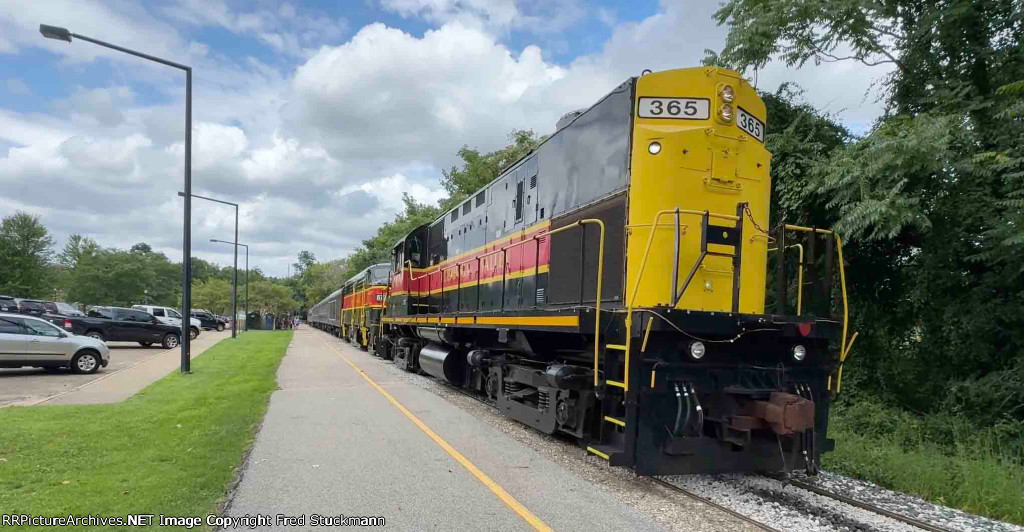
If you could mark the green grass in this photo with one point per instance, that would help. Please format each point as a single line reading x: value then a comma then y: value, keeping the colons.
x: 172, y: 449
x: 901, y: 452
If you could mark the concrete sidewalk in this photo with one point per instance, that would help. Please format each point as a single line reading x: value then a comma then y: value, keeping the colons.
x: 122, y: 384
x: 332, y: 444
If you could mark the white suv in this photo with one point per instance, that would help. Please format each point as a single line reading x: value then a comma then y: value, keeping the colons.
x: 167, y: 315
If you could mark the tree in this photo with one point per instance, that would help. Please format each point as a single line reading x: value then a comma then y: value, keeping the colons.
x: 931, y: 200
x: 213, y: 295
x: 75, y: 249
x: 325, y: 278
x: 268, y: 296
x: 203, y: 270
x: 378, y: 248
x: 141, y: 247
x: 305, y: 261
x: 25, y: 251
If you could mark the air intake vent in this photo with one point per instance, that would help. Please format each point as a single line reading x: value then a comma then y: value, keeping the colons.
x: 533, y: 182
x: 540, y: 296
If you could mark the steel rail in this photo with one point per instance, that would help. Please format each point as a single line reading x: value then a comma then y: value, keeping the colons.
x: 713, y: 504
x: 673, y: 487
x: 485, y: 402
x: 869, y: 507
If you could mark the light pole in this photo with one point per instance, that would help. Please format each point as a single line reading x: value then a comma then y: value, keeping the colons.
x: 63, y: 34
x: 235, y: 317
x: 234, y: 284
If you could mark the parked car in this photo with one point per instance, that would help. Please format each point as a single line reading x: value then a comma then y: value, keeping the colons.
x: 167, y: 315
x: 115, y: 324
x: 34, y: 342
x: 208, y: 320
x: 64, y: 309
x: 8, y: 304
x: 31, y: 307
x: 56, y: 312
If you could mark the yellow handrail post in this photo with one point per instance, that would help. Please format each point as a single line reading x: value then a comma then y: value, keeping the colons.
x: 846, y: 308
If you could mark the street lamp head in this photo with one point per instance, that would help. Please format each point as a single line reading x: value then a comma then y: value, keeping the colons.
x: 55, y: 32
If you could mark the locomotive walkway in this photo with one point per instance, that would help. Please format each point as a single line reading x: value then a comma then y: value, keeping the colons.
x: 345, y: 437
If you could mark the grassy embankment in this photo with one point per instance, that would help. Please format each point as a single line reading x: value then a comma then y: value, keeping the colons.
x: 172, y: 449
x: 940, y: 458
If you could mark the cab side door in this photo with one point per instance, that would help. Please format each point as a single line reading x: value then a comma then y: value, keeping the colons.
x: 134, y: 326
x: 46, y: 343
x: 13, y: 340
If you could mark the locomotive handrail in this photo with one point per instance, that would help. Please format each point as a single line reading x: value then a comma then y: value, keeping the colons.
x: 799, y: 276
x: 536, y: 269
x: 844, y: 346
x: 643, y: 265
x: 842, y: 284
x: 650, y: 240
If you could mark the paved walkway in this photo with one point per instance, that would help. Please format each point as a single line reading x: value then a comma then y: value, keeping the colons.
x: 122, y: 384
x: 343, y: 436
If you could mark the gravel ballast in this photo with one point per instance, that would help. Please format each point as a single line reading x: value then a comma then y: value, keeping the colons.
x: 763, y: 499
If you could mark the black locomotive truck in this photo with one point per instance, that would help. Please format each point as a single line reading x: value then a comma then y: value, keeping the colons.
x: 612, y: 286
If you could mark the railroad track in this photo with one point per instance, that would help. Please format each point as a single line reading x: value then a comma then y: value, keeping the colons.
x: 753, y: 522
x: 869, y: 507
x: 713, y: 504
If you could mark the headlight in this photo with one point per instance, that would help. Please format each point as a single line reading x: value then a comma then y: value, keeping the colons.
x: 654, y: 148
x: 799, y: 352
x: 726, y: 94
x: 697, y: 350
x: 725, y: 113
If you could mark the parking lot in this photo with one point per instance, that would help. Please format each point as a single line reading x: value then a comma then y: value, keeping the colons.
x: 27, y: 386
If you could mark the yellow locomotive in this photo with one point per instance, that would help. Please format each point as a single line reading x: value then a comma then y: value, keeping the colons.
x: 612, y: 285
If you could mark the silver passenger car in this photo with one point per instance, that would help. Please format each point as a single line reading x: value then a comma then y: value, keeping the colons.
x: 29, y: 341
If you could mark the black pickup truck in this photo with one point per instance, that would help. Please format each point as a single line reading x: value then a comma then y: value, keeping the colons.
x: 208, y: 320
x: 114, y: 324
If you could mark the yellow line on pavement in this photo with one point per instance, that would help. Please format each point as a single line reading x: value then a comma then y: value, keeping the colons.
x: 500, y: 492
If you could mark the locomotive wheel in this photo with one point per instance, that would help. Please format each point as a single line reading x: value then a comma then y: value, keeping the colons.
x: 491, y: 387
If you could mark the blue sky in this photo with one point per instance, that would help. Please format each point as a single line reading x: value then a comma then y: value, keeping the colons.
x: 317, y: 115
x: 34, y: 66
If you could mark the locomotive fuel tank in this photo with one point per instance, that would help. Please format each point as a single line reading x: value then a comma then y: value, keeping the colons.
x: 442, y: 362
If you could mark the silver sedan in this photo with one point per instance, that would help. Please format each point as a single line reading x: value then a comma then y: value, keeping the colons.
x: 29, y: 341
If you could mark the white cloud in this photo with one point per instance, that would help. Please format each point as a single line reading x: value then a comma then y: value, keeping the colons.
x: 389, y: 96
x: 320, y: 155
x: 98, y: 106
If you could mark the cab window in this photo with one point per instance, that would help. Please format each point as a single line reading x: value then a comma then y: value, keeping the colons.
x: 100, y: 312
x: 414, y: 251
x: 135, y: 315
x: 11, y: 326
x: 173, y: 313
x: 39, y: 328
x: 159, y: 312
